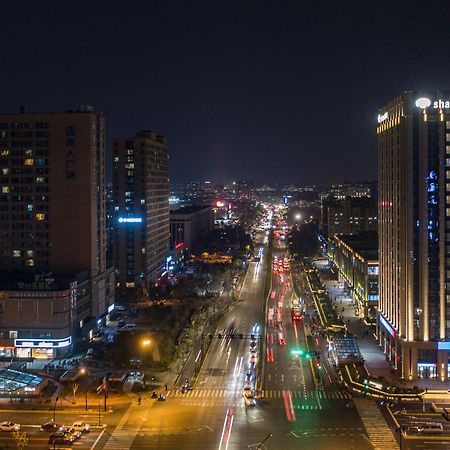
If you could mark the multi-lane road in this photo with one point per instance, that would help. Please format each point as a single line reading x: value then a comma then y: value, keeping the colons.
x: 294, y: 409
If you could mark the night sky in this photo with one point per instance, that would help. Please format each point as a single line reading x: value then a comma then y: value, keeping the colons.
x: 283, y: 91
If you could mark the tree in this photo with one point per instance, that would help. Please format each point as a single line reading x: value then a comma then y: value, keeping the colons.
x: 303, y: 240
x: 75, y: 387
x: 20, y: 439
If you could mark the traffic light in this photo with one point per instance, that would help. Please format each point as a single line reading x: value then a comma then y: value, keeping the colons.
x: 252, y: 336
x: 297, y: 353
x: 318, y: 366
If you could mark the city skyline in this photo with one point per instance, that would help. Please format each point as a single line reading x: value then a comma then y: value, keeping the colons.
x: 237, y: 89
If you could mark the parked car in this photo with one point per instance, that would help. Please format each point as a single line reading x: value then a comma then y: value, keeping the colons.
x: 50, y: 427
x: 9, y: 426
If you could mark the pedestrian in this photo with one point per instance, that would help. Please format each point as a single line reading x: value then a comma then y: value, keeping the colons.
x: 166, y: 388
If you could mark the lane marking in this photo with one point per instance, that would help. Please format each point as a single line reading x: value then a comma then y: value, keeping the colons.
x: 99, y: 437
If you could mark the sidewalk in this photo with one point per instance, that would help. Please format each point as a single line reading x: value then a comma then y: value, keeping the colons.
x: 374, y: 358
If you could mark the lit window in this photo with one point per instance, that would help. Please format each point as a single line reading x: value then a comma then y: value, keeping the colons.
x: 142, y: 202
x: 5, y: 171
x: 116, y: 208
x: 40, y: 180
x: 30, y: 262
x: 4, y: 152
x: 16, y: 253
x: 28, y: 162
x: 116, y: 159
x: 129, y: 285
x: 29, y: 208
x: 13, y: 334
x: 5, y: 189
x: 129, y: 166
x: 40, y: 216
x: 30, y: 253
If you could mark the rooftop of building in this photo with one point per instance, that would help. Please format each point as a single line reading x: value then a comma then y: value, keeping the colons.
x: 365, y: 244
x: 190, y: 209
x: 25, y: 110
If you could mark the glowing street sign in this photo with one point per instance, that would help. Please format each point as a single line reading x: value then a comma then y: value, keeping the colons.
x: 130, y: 219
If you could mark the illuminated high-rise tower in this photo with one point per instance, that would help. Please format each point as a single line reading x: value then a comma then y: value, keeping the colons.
x: 414, y: 233
x: 141, y: 210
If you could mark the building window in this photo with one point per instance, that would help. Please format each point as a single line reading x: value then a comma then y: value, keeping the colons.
x: 40, y: 216
x: 16, y: 253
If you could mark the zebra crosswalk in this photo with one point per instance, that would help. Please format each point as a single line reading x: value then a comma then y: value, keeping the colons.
x: 121, y: 439
x: 268, y: 393
x: 380, y: 435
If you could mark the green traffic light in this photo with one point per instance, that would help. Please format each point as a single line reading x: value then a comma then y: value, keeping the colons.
x: 297, y: 352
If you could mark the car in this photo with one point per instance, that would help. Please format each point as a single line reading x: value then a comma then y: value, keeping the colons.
x: 281, y: 339
x: 9, y: 426
x: 252, y: 344
x: 249, y: 400
x: 61, y: 437
x: 81, y: 426
x: 253, y: 358
x: 75, y: 433
x: 50, y: 427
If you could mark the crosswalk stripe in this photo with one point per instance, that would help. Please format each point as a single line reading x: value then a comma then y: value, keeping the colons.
x: 268, y: 393
x: 380, y: 435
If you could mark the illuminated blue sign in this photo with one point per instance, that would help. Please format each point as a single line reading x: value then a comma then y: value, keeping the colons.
x: 130, y: 219
x: 443, y: 345
x: 387, y: 326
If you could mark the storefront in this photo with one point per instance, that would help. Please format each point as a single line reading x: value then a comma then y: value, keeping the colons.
x: 43, y: 348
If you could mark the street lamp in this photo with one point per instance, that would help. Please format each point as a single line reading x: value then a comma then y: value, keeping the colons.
x: 54, y: 408
x: 145, y: 344
x: 83, y: 372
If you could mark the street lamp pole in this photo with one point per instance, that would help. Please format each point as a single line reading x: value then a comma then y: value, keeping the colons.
x: 86, y: 394
x: 267, y: 437
x: 54, y: 408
